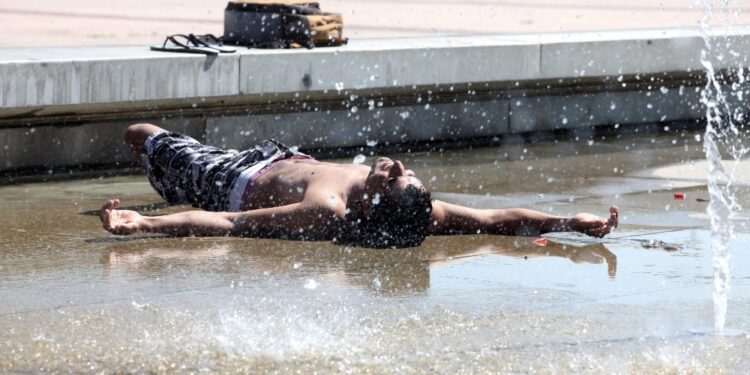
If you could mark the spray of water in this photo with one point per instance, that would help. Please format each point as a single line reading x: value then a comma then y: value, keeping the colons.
x: 722, y: 134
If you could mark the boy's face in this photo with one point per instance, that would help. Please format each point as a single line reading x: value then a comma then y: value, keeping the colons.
x: 388, y: 178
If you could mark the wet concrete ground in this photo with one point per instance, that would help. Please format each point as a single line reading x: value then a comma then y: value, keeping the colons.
x: 76, y: 299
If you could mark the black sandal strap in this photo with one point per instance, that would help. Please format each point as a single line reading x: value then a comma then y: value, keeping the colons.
x: 173, y: 39
x: 206, y: 39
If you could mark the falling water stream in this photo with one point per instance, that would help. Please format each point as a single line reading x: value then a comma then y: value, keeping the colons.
x: 722, y: 136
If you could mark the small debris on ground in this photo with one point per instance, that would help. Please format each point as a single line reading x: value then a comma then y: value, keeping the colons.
x: 660, y: 245
x: 540, y: 242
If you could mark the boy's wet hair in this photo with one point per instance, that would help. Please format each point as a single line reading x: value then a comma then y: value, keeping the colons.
x: 398, y: 222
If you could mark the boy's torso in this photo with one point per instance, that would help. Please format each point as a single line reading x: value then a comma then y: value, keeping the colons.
x: 295, y: 180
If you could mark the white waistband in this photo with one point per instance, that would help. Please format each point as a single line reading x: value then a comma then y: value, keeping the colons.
x: 237, y: 192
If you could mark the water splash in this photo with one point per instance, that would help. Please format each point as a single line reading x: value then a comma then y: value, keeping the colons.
x: 722, y: 134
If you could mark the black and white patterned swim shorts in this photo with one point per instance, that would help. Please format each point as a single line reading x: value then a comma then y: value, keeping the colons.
x: 184, y: 171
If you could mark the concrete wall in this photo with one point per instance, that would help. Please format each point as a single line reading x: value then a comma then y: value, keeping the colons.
x: 370, y: 126
x: 661, y: 104
x: 49, y: 147
x: 68, y: 106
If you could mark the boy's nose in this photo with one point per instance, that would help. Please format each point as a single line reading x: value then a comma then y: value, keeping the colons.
x: 397, y: 170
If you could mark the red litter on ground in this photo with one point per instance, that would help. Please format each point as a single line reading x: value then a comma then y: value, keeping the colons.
x: 540, y: 242
x: 679, y: 196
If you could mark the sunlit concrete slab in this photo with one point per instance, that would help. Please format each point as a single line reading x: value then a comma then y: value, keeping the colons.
x: 641, y: 52
x: 615, y: 58
x: 33, y: 77
x: 390, y: 64
x: 95, y: 75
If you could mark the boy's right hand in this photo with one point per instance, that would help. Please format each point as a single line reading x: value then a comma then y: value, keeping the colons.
x: 593, y: 225
x: 119, y: 221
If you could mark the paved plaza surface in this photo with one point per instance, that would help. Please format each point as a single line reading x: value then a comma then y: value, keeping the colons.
x: 78, y: 299
x: 89, y: 22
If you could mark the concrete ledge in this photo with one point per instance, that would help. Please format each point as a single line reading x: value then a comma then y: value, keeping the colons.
x: 67, y: 106
x: 364, y: 67
x: 37, y: 77
x: 70, y: 76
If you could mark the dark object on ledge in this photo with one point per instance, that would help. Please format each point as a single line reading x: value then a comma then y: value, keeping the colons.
x: 281, y: 24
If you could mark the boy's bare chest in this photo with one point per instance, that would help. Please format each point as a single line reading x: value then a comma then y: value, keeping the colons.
x: 292, y: 181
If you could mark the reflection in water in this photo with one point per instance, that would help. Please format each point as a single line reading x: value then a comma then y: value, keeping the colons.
x: 592, y: 254
x: 387, y: 272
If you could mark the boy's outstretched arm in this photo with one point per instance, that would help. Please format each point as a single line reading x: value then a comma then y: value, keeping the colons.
x: 303, y: 221
x: 454, y: 219
x: 189, y: 223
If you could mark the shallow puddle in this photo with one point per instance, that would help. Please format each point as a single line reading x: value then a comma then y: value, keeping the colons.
x: 76, y: 299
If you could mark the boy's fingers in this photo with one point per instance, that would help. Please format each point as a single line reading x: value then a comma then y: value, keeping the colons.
x: 614, y: 216
x: 105, y: 215
x: 603, y: 227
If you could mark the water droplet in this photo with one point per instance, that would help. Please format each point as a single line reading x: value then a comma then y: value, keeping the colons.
x: 359, y: 159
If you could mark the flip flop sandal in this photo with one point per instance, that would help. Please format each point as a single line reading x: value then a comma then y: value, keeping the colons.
x: 177, y: 46
x: 210, y: 41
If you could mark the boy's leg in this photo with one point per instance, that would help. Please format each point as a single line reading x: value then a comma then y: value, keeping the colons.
x: 136, y: 135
